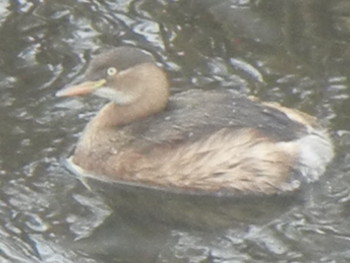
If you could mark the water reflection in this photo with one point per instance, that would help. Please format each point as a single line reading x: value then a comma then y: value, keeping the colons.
x: 297, y: 54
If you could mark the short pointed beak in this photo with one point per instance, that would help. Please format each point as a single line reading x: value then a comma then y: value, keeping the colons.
x: 81, y: 89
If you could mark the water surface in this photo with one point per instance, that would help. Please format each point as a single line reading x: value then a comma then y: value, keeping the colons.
x: 293, y: 52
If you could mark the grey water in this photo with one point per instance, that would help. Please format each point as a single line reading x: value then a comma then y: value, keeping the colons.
x: 296, y: 53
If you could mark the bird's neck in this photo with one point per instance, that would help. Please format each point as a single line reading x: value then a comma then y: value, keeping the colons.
x: 102, y: 135
x: 113, y: 115
x: 108, y: 120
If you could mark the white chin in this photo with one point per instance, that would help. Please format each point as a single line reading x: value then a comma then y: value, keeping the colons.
x: 116, y: 96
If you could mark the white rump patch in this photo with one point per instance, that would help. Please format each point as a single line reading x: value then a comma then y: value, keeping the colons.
x: 315, y: 152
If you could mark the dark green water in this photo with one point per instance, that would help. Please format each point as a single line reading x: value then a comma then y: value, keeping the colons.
x: 294, y: 52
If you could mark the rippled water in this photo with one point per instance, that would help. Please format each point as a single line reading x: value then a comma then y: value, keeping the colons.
x: 293, y: 52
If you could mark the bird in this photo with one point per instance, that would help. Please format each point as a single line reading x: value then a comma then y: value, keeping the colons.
x: 197, y: 141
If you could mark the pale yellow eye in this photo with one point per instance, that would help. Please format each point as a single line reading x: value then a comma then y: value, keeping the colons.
x: 111, y: 71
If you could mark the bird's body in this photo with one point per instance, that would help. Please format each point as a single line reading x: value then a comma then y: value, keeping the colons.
x: 212, y: 141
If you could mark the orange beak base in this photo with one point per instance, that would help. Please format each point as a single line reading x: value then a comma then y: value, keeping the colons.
x: 81, y: 89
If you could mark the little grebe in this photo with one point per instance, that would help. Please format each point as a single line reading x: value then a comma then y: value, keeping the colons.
x: 211, y: 141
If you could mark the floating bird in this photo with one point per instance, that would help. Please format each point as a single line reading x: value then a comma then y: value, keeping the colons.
x: 213, y: 141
